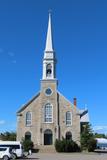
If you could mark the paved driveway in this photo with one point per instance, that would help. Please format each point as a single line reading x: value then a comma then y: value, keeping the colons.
x: 67, y: 156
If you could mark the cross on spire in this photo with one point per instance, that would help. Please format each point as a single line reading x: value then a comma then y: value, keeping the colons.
x: 50, y: 11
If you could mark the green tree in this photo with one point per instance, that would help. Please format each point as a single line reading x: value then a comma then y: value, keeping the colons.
x: 8, y: 136
x: 99, y: 135
x: 27, y: 145
x: 88, y: 141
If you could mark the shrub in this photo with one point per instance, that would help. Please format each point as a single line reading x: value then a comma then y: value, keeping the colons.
x: 66, y: 146
x: 27, y: 145
x: 58, y: 145
x: 92, y: 145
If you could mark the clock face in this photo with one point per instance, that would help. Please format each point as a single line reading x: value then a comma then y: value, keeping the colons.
x: 48, y: 91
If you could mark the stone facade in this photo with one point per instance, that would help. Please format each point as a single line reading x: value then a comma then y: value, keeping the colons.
x: 58, y: 126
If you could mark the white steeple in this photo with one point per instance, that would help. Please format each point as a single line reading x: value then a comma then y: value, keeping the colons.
x: 49, y: 55
x: 49, y: 45
x: 49, y: 51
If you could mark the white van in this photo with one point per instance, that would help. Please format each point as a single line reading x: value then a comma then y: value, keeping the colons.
x: 16, y: 147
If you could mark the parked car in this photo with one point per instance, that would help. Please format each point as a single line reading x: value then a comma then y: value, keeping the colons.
x: 5, y: 153
x: 16, y: 146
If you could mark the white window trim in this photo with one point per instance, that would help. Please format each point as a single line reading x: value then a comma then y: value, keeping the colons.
x: 44, y: 114
x: 27, y: 125
x: 66, y: 118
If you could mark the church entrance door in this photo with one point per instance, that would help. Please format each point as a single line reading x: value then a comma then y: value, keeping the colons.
x: 48, y: 137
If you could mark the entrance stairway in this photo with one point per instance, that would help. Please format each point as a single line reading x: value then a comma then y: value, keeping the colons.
x: 47, y: 149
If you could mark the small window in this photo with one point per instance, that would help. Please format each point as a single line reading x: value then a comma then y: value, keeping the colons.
x: 28, y: 119
x: 68, y: 118
x: 48, y: 113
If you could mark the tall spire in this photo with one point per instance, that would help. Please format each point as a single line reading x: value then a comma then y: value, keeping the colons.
x: 49, y: 60
x: 49, y: 42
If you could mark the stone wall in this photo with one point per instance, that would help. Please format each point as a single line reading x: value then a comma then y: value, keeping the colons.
x: 58, y: 127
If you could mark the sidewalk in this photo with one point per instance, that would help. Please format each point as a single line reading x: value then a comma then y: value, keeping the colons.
x: 67, y: 156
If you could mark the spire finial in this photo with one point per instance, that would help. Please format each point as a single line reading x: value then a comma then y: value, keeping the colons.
x: 50, y: 11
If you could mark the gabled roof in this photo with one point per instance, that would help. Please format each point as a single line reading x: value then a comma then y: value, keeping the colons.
x: 68, y: 101
x: 29, y: 102
x: 64, y: 98
x: 84, y: 116
x: 83, y: 112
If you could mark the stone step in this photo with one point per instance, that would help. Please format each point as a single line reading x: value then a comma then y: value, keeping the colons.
x: 47, y: 149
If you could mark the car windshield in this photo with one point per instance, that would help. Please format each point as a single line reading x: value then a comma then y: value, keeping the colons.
x: 3, y: 149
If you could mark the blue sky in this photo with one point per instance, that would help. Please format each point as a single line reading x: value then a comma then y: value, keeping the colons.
x: 80, y: 42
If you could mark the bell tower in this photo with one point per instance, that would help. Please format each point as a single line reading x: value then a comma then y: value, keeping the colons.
x: 49, y: 60
x: 49, y: 87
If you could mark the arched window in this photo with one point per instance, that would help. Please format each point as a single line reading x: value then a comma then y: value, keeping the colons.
x: 27, y: 136
x: 68, y: 118
x: 68, y: 136
x: 48, y: 70
x: 48, y: 113
x: 28, y: 119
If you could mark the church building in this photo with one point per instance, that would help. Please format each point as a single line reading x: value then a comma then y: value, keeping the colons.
x: 49, y: 115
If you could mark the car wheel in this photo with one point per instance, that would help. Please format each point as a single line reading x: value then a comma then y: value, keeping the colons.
x: 13, y: 156
x: 5, y: 157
